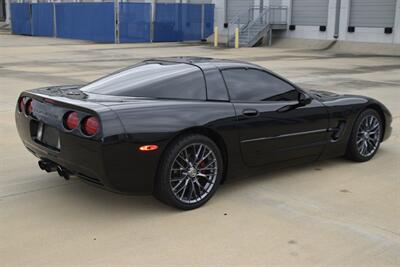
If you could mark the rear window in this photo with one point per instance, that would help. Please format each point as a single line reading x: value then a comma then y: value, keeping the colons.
x: 154, y: 80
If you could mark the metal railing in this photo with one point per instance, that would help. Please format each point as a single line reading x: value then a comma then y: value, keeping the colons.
x: 256, y: 22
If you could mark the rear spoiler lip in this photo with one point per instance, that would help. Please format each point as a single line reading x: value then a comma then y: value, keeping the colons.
x: 101, y: 111
x: 74, y: 104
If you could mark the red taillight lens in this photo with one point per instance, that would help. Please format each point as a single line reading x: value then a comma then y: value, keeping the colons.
x: 71, y: 120
x: 21, y: 105
x: 29, y: 108
x: 90, y: 126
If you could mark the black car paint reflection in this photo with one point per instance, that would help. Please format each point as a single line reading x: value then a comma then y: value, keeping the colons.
x: 250, y: 134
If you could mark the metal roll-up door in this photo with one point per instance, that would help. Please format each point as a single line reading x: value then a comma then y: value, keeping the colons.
x: 310, y: 12
x: 372, y: 13
x: 2, y: 10
x: 235, y: 8
x: 199, y: 1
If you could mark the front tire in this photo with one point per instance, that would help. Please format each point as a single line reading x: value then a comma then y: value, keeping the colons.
x: 366, y: 136
x: 189, y: 173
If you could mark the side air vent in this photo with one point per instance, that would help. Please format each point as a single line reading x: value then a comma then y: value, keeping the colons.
x: 338, y: 131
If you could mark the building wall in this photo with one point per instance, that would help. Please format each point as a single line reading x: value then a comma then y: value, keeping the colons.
x: 8, y: 11
x: 361, y: 34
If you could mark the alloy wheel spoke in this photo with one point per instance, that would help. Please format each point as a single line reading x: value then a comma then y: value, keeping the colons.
x: 178, y: 184
x: 368, y: 135
x: 198, y: 153
x: 191, y: 183
x: 184, y: 188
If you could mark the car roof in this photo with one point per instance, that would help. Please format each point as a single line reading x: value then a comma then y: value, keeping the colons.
x: 204, y: 62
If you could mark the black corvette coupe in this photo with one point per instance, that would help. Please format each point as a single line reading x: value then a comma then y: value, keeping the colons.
x: 178, y: 127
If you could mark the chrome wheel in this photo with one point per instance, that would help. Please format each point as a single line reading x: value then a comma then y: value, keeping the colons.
x: 193, y: 173
x: 368, y: 135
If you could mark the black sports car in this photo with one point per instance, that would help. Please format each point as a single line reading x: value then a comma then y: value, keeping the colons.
x: 178, y: 127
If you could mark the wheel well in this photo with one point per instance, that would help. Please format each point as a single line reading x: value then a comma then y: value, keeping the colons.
x: 378, y: 109
x: 213, y: 135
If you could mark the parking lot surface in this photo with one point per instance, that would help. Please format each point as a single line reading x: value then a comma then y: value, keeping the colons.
x: 333, y: 212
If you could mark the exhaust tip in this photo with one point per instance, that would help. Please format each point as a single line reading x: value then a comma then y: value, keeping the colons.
x: 41, y: 164
x: 47, y: 166
x: 63, y: 172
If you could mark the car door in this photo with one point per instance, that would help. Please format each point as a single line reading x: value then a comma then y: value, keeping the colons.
x: 275, y: 120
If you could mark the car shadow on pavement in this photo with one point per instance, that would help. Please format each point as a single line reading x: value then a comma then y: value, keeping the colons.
x: 100, y: 199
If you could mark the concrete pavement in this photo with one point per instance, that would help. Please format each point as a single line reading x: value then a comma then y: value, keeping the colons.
x: 333, y: 212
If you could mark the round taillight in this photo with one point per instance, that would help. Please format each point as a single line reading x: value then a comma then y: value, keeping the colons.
x: 90, y: 126
x: 71, y: 120
x: 29, y: 108
x: 21, y: 105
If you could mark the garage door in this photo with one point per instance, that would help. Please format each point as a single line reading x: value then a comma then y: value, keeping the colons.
x: 199, y: 1
x: 372, y: 13
x: 2, y: 10
x: 235, y: 8
x: 310, y: 12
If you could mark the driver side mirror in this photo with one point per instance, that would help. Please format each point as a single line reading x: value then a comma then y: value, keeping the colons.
x: 304, y: 99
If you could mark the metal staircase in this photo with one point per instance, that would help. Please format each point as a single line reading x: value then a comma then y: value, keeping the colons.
x: 256, y: 24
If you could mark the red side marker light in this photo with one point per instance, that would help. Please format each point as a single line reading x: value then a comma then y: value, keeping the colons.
x: 29, y: 107
x: 50, y: 101
x: 148, y: 148
x: 21, y: 105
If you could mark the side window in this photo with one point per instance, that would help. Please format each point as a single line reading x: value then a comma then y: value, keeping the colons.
x: 257, y: 85
x: 216, y: 89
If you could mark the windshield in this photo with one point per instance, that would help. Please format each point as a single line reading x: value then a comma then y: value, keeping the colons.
x: 154, y: 80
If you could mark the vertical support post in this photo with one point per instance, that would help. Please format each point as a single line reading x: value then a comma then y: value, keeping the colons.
x: 337, y: 18
x: 270, y: 37
x: 30, y: 17
x: 216, y: 36
x: 202, y: 21
x: 116, y: 21
x: 54, y: 21
x: 236, y: 37
x: 152, y: 19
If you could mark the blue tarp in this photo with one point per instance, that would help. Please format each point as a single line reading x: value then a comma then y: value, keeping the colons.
x: 208, y: 19
x: 21, y: 18
x: 134, y: 22
x: 168, y: 23
x: 86, y: 21
x: 95, y: 21
x: 182, y: 22
x: 42, y: 19
x: 191, y: 22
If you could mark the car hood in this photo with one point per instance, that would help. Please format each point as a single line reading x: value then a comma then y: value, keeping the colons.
x: 324, y: 95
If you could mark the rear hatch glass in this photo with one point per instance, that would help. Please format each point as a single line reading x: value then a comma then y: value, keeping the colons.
x: 153, y: 80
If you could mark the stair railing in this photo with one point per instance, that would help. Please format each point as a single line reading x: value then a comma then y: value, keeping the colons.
x: 246, y: 21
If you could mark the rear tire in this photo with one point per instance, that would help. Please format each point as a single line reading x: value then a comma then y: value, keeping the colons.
x: 189, y: 173
x: 366, y: 136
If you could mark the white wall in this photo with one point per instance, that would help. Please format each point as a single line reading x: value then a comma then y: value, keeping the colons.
x: 8, y: 12
x: 375, y: 35
x: 312, y: 32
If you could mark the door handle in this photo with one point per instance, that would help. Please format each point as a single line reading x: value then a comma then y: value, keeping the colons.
x: 250, y: 112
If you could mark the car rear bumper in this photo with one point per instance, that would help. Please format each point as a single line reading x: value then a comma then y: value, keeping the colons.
x: 114, y: 165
